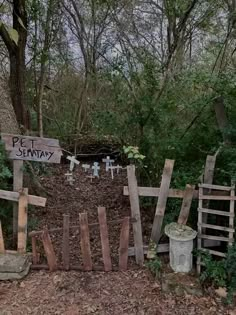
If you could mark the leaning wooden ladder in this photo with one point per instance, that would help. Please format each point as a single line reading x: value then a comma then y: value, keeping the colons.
x: 202, y: 226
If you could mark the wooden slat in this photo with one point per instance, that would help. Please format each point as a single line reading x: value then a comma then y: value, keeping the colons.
x: 209, y: 169
x: 173, y: 193
x: 85, y: 242
x: 65, y: 242
x: 124, y: 245
x: 162, y: 200
x: 231, y: 210
x: 14, y: 196
x: 35, y: 255
x: 164, y: 248
x: 73, y: 227
x: 217, y: 227
x: 2, y: 245
x: 213, y: 197
x: 199, y: 240
x: 106, y: 255
x: 22, y: 221
x: 186, y: 204
x: 216, y: 212
x: 214, y: 237
x: 135, y: 214
x: 213, y: 252
x: 215, y: 187
x: 49, y: 251
x: 208, y: 179
x: 17, y: 186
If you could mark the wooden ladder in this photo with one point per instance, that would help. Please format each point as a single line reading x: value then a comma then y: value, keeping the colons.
x: 204, y: 195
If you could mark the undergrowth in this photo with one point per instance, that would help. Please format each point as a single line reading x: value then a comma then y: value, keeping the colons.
x: 220, y: 273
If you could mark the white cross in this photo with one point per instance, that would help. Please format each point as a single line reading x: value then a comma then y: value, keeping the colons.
x: 91, y: 177
x: 73, y: 161
x: 95, y: 168
x: 86, y: 167
x: 70, y: 179
x: 108, y: 162
x: 117, y: 168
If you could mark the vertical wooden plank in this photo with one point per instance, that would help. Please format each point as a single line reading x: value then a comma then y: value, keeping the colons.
x: 22, y: 221
x: 186, y: 204
x: 85, y: 242
x: 199, y: 240
x: 231, y: 210
x: 65, y: 242
x: 162, y: 200
x: 208, y: 179
x: 35, y: 255
x: 17, y: 186
x: 49, y: 250
x: 2, y: 246
x: 135, y: 214
x: 106, y: 255
x: 124, y: 244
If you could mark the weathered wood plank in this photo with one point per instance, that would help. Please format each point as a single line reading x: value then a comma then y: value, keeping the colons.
x: 124, y: 245
x: 22, y: 221
x: 27, y: 148
x: 215, y: 187
x: 214, y: 237
x: 73, y: 227
x: 65, y: 242
x: 17, y: 186
x: 14, y: 196
x: 231, y: 210
x: 186, y: 204
x: 102, y: 218
x: 213, y: 197
x: 213, y: 252
x: 216, y: 212
x: 2, y: 245
x: 49, y: 250
x: 162, y: 200
x: 209, y: 169
x: 85, y: 242
x: 208, y: 179
x: 135, y: 214
x: 173, y: 193
x: 217, y: 227
x: 199, y: 239
x: 35, y: 255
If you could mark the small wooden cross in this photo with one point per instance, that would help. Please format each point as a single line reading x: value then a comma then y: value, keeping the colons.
x: 95, y: 168
x: 69, y: 177
x: 73, y: 161
x: 91, y: 177
x: 112, y: 168
x: 86, y: 167
x: 108, y: 162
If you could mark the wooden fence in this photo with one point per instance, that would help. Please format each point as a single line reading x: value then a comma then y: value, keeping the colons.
x: 85, y: 229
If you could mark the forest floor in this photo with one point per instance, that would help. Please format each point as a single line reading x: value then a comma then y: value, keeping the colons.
x: 132, y: 292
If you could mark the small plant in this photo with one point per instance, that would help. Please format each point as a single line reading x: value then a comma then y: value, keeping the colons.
x: 155, y: 266
x: 220, y: 273
x: 214, y: 271
x: 133, y: 154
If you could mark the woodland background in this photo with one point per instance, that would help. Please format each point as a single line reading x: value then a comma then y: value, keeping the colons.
x: 157, y: 74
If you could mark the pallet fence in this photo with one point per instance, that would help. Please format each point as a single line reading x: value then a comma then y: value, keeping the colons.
x: 163, y: 193
x: 204, y: 226
x: 86, y: 254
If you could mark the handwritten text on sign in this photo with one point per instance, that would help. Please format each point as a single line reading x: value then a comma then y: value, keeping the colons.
x: 32, y: 148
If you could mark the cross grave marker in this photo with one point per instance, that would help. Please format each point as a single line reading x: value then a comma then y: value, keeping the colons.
x: 108, y: 162
x: 73, y: 161
x: 95, y: 169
